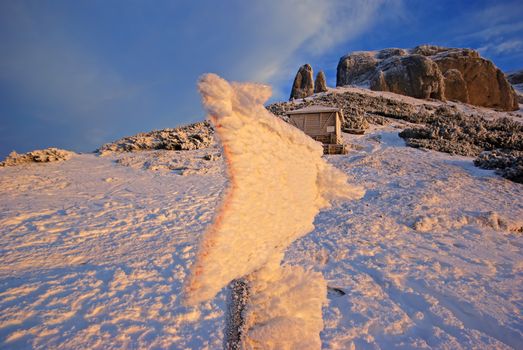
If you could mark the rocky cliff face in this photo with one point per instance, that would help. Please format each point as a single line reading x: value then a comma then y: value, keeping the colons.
x: 303, y: 85
x: 430, y: 72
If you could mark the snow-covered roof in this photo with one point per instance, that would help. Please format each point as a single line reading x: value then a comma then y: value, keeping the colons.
x: 314, y: 109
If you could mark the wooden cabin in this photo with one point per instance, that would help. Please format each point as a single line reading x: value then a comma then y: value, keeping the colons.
x: 321, y: 123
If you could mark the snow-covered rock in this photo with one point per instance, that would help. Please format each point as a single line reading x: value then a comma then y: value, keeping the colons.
x: 190, y: 137
x: 38, y: 156
x: 508, y: 163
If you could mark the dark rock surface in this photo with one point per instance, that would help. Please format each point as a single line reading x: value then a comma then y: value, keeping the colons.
x: 516, y: 79
x: 454, y: 132
x: 303, y: 85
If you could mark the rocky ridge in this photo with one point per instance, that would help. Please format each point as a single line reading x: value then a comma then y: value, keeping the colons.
x: 428, y: 71
x: 190, y: 137
x: 440, y: 126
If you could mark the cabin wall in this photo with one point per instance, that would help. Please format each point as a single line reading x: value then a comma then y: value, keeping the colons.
x: 324, y: 127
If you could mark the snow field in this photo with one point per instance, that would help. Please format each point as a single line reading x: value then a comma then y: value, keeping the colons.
x: 431, y: 257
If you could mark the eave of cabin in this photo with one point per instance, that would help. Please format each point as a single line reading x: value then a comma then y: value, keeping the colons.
x: 314, y: 109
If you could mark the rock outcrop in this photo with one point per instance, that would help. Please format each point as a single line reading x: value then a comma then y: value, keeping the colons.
x: 38, y: 156
x: 303, y: 85
x: 516, y: 79
x: 486, y: 84
x: 189, y: 137
x: 412, y: 75
x: 508, y: 164
x: 430, y: 72
x: 320, y: 84
x: 450, y: 128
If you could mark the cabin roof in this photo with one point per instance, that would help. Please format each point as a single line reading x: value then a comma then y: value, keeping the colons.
x: 314, y: 109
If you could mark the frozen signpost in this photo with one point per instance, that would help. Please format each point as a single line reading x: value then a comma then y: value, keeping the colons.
x: 278, y: 182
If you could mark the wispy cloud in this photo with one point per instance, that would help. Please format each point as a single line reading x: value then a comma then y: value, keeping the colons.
x: 495, y: 29
x: 501, y: 48
x: 294, y: 31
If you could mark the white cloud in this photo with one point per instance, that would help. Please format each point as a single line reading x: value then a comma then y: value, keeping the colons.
x: 289, y: 33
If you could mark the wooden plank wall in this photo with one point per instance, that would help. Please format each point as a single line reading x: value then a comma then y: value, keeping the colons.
x: 315, y: 125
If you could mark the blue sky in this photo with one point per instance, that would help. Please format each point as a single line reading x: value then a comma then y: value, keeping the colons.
x: 76, y: 74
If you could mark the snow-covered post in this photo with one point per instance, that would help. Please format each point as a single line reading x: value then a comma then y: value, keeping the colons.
x: 278, y: 182
x: 235, y: 321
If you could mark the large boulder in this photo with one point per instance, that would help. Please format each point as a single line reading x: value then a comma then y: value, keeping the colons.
x: 429, y: 71
x: 486, y: 84
x: 303, y: 85
x: 412, y: 75
x: 320, y: 84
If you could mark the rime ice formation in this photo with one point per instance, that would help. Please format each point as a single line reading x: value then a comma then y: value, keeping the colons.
x: 278, y: 183
x: 285, y: 309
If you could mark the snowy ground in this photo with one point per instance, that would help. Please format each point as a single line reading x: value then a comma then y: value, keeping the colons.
x: 94, y: 252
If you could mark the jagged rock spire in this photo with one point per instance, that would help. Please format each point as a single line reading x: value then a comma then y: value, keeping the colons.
x: 303, y: 85
x: 320, y: 84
